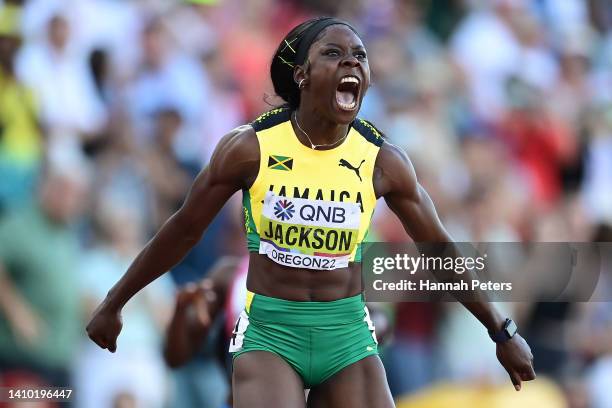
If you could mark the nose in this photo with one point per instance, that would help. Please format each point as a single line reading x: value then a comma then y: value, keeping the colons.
x: 350, y: 61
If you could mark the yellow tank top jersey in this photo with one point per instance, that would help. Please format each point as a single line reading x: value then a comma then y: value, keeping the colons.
x: 310, y: 208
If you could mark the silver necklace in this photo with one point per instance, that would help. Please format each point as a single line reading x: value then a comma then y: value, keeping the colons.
x: 312, y: 145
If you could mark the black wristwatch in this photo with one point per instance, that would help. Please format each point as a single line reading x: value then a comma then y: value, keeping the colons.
x: 508, y: 331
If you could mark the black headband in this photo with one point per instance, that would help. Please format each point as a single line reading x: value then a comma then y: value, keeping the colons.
x: 311, y: 33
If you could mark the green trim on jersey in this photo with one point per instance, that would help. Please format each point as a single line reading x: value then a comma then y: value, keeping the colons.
x: 368, y: 131
x: 271, y: 118
x: 249, y: 224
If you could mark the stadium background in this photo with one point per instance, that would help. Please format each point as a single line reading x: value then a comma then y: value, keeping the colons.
x: 109, y: 108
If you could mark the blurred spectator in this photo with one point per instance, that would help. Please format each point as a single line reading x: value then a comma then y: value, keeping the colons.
x: 192, y: 26
x: 247, y: 46
x: 40, y: 319
x: 487, y: 51
x: 120, y: 177
x: 591, y: 333
x: 166, y: 77
x: 197, y: 322
x: 167, y: 178
x: 408, y: 359
x: 136, y: 371
x: 540, y: 144
x: 571, y: 93
x: 21, y: 141
x: 70, y: 106
x: 227, y: 112
x: 598, y: 173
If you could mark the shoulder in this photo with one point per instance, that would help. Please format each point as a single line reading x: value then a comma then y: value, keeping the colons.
x: 391, y: 155
x: 236, y: 143
x: 393, y: 170
x: 236, y: 156
x: 370, y: 132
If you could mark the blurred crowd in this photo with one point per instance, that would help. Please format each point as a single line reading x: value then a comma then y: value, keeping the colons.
x: 110, y: 108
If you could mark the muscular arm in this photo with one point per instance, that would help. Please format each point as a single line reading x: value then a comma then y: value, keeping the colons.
x: 233, y: 166
x: 395, y: 180
x: 397, y: 183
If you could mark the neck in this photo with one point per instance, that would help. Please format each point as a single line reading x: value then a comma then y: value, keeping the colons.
x: 320, y: 130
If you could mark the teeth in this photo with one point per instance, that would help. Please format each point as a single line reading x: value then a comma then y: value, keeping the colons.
x: 349, y: 79
x: 352, y: 105
x: 347, y: 106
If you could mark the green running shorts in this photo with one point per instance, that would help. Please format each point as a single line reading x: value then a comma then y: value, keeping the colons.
x: 317, y: 339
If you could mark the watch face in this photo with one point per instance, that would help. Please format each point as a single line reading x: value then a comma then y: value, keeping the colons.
x: 511, y: 329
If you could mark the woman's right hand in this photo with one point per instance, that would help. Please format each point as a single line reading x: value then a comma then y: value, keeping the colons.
x: 105, y: 326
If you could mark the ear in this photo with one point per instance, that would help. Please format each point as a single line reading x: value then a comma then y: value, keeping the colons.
x: 298, y: 74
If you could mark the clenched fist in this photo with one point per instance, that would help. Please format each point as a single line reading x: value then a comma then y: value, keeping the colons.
x: 515, y: 356
x: 105, y: 326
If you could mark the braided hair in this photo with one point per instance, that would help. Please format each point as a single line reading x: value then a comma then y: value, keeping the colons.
x: 293, y: 52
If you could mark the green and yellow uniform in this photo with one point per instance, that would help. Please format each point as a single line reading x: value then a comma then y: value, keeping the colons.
x: 313, y: 206
x: 309, y: 209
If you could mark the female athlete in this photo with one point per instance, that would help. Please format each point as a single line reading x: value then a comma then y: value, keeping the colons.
x: 310, y: 173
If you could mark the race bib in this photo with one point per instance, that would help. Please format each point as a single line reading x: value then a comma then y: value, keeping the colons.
x: 312, y: 234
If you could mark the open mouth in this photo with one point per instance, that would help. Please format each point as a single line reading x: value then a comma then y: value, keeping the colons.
x: 347, y: 92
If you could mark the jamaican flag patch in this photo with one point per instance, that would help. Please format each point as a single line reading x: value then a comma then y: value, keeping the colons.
x: 280, y: 163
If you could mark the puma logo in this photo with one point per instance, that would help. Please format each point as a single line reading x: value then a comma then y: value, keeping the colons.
x: 344, y: 163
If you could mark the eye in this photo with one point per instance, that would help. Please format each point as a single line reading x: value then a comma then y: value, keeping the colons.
x: 332, y: 53
x: 360, y: 55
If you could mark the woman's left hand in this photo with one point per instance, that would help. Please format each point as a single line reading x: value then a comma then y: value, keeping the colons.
x: 515, y: 356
